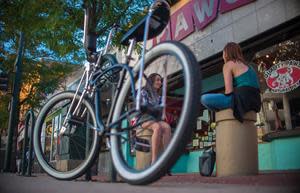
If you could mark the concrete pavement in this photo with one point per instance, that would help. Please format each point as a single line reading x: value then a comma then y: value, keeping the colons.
x: 11, y: 183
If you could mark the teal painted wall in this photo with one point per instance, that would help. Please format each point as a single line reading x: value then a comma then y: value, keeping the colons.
x: 187, y: 163
x: 126, y: 147
x: 280, y: 154
x: 264, y: 156
x: 208, y: 84
x: 287, y: 153
x: 213, y: 82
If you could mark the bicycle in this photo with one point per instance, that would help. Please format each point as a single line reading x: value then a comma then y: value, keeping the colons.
x: 77, y: 132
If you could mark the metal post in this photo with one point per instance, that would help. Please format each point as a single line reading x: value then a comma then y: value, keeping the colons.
x: 30, y: 118
x: 112, y: 171
x: 112, y: 175
x: 25, y: 149
x: 88, y: 174
x: 26, y: 168
x: 14, y: 110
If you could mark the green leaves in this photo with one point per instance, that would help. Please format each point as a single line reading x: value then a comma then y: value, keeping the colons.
x: 53, y: 40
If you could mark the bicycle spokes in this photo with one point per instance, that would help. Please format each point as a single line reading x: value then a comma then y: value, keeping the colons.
x: 68, y: 137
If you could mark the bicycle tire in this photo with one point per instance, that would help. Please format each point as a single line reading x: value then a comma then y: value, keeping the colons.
x: 191, y: 104
x: 94, y: 146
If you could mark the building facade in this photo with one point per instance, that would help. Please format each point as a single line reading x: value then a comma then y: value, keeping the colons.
x: 268, y: 32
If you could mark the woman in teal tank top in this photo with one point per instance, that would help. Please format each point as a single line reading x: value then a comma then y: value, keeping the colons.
x: 248, y: 78
x: 241, y: 91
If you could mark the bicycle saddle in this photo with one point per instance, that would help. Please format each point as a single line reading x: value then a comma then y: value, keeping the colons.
x: 159, y: 19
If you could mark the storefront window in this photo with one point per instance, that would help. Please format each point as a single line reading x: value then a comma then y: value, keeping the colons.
x: 46, y: 138
x: 55, y: 141
x: 279, y: 73
x: 205, y: 134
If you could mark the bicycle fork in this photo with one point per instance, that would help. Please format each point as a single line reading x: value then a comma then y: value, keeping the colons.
x: 77, y: 110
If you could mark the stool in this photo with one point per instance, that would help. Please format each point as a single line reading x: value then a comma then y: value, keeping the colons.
x: 143, y: 159
x: 236, y: 144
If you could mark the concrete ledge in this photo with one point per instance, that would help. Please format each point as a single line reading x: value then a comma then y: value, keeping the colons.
x: 281, y: 134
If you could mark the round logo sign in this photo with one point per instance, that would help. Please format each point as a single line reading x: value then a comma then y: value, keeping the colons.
x: 284, y: 76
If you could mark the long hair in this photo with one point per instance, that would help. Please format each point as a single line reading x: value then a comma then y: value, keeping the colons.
x: 153, y: 93
x: 233, y: 52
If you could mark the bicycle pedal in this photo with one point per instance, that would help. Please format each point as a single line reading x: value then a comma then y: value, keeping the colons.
x: 76, y: 121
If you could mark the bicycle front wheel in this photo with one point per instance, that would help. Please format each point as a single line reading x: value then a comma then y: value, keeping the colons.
x: 181, y: 87
x: 65, y: 143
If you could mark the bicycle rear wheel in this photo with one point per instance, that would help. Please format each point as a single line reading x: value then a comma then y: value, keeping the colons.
x: 177, y: 65
x: 65, y: 150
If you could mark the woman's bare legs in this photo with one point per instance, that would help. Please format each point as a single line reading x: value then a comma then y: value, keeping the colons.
x: 160, y: 130
x: 166, y: 133
x: 155, y: 139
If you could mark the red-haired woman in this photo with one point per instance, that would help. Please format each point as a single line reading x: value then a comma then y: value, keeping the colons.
x: 241, y: 85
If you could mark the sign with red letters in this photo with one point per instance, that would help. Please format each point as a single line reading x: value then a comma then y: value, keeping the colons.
x: 182, y: 23
x: 199, y: 13
x: 284, y: 76
x: 164, y: 36
x: 204, y: 12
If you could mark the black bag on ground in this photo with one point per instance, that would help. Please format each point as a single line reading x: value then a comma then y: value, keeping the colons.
x: 207, y: 162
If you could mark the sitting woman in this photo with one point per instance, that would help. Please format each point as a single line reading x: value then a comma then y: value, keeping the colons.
x: 241, y: 85
x: 152, y: 119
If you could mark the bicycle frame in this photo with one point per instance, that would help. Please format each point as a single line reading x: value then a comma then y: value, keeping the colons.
x: 91, y: 75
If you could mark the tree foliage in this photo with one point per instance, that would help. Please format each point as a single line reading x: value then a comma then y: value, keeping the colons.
x: 53, y: 40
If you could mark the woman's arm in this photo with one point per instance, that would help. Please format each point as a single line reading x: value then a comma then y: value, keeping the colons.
x: 145, y: 97
x: 227, y: 73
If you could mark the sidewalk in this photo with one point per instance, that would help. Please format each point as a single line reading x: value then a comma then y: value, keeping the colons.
x: 284, y: 178
x: 12, y: 183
